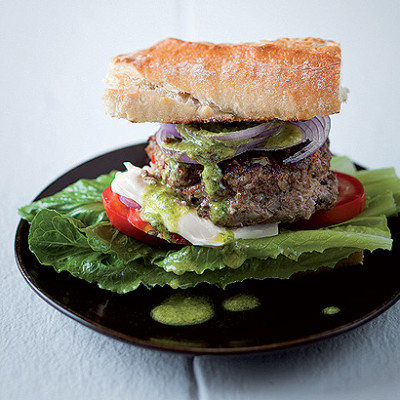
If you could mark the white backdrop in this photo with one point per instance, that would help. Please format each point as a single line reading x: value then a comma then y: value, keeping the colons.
x: 54, y: 56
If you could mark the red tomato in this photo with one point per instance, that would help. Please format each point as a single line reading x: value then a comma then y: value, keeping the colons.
x: 127, y: 219
x: 350, y: 203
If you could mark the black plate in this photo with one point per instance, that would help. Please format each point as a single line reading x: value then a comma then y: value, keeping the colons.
x: 290, y: 312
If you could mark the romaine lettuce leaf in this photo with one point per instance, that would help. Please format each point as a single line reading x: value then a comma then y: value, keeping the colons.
x: 118, y: 263
x: 82, y: 200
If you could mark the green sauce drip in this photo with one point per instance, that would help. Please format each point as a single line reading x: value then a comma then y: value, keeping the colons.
x: 212, y: 177
x: 241, y: 302
x: 162, y: 200
x: 331, y: 310
x: 219, y: 209
x: 182, y: 309
x: 172, y: 169
x: 164, y: 176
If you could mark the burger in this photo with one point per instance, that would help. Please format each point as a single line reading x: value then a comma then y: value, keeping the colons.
x: 240, y: 184
x: 243, y: 142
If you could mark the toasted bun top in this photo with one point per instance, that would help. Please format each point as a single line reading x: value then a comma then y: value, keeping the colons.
x: 178, y: 82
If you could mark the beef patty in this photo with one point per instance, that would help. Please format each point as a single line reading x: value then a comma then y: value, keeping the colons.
x: 256, y: 187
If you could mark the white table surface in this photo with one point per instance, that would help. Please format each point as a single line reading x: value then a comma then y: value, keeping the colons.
x: 54, y: 56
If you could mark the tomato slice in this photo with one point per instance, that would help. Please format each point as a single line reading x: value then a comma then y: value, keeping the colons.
x: 127, y: 219
x: 350, y: 203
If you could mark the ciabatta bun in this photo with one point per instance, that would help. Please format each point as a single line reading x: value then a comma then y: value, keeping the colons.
x: 179, y: 82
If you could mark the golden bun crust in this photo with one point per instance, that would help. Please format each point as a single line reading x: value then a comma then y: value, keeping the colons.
x: 179, y: 82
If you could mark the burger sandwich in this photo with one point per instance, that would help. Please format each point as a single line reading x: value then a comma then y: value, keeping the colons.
x: 240, y: 184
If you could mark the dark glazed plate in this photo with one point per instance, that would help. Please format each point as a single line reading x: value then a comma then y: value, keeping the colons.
x: 290, y: 314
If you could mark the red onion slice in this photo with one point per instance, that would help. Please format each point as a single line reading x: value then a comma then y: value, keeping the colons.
x: 185, y: 159
x: 264, y: 130
x: 129, y: 202
x: 249, y: 146
x: 169, y: 131
x: 316, y: 130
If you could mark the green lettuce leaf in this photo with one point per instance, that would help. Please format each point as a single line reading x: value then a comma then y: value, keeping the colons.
x: 112, y: 260
x: 117, y: 264
x: 343, y: 164
x: 290, y: 244
x: 71, y: 232
x: 82, y: 200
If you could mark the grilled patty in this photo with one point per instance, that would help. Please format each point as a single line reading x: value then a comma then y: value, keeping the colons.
x: 257, y: 187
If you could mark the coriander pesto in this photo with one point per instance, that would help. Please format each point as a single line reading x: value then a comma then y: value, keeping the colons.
x: 172, y: 169
x: 212, y: 177
x: 241, y: 302
x: 167, y: 212
x: 162, y: 200
x: 200, y: 142
x: 183, y: 309
x: 219, y: 209
x: 287, y: 136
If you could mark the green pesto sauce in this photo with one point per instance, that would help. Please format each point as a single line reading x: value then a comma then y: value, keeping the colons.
x: 287, y: 136
x: 216, y: 128
x: 198, y: 141
x: 172, y: 169
x: 212, y: 177
x: 331, y: 310
x: 162, y: 200
x: 219, y: 209
x: 201, y: 147
x: 241, y: 302
x: 164, y: 175
x: 183, y: 309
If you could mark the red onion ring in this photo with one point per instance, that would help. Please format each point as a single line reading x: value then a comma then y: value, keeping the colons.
x: 316, y: 130
x: 130, y: 203
x: 265, y: 130
x: 169, y: 131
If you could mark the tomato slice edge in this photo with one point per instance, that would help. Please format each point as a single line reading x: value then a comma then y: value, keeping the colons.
x: 128, y: 221
x: 118, y: 213
x: 350, y: 203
